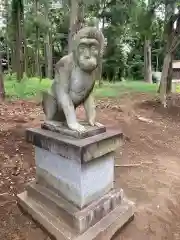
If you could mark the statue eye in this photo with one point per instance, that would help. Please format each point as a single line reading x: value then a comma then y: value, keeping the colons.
x: 82, y: 47
x: 94, y: 48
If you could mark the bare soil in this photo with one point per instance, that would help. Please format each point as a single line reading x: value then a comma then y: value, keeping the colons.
x: 147, y: 167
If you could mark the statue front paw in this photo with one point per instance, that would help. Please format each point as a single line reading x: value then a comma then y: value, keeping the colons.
x: 93, y: 123
x: 98, y: 124
x: 77, y: 127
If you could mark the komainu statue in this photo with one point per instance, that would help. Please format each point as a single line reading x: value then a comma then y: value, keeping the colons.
x: 74, y: 80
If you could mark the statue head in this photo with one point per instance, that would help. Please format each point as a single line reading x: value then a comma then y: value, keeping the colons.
x: 88, y: 45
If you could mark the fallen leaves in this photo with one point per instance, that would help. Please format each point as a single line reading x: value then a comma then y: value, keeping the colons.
x: 16, y: 171
x: 5, y: 198
x: 109, y: 104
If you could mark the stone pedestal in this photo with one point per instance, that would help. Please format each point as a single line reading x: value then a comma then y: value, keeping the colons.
x: 73, y: 196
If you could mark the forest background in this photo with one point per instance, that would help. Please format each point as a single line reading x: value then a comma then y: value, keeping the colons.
x: 142, y: 38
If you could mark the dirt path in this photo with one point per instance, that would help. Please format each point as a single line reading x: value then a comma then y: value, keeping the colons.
x: 152, y: 143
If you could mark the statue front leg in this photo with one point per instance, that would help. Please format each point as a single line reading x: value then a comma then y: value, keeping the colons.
x: 69, y: 112
x: 90, y: 108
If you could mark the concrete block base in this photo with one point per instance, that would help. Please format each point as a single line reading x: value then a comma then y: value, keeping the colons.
x: 73, y: 197
x: 98, y: 221
x: 75, y: 181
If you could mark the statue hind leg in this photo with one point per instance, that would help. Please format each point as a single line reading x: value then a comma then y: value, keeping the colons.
x: 49, y: 105
x: 60, y: 116
x: 51, y: 109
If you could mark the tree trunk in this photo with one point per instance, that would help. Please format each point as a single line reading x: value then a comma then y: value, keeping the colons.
x: 37, y: 55
x: 18, y: 42
x: 8, y: 58
x: 157, y: 63
x: 99, y: 69
x: 25, y: 52
x: 48, y: 47
x: 80, y: 16
x: 17, y: 23
x: 167, y: 70
x: 73, y: 19
x: 7, y: 34
x: 147, y: 61
x: 164, y: 76
x: 101, y: 59
x: 19, y: 69
x: 169, y: 76
x: 170, y: 36
x: 2, y: 89
x: 13, y: 57
x: 37, y: 58
x: 76, y: 20
x: 172, y: 43
x: 25, y: 57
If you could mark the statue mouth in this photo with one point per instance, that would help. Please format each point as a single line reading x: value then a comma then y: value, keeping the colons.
x: 88, y: 68
x: 78, y: 92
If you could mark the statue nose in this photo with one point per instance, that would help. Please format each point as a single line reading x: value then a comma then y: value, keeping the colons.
x: 86, y: 54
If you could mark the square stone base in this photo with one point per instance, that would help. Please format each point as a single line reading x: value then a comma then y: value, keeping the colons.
x: 76, y: 182
x: 98, y: 221
x: 80, y: 170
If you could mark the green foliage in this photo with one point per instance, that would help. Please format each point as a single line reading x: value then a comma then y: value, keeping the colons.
x: 116, y: 17
x: 119, y: 88
x: 27, y: 88
x: 30, y: 88
x: 16, y: 5
x: 125, y: 25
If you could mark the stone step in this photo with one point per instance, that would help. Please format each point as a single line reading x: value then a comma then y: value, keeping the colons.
x: 79, y: 219
x: 58, y: 228
x: 57, y: 204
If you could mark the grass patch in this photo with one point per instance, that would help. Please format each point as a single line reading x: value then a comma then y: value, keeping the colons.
x: 27, y: 88
x: 32, y: 87
x: 120, y: 88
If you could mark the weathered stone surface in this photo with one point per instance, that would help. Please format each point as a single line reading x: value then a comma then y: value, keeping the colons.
x: 81, y: 150
x: 75, y: 181
x: 79, y: 219
x: 73, y: 197
x: 63, y: 129
x: 54, y: 216
x: 75, y: 76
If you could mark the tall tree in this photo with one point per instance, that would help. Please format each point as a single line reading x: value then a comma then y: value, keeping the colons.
x: 172, y: 36
x: 37, y: 58
x: 48, y: 42
x: 76, y: 20
x: 18, y: 25
x: 145, y: 14
x: 7, y: 23
x: 2, y: 89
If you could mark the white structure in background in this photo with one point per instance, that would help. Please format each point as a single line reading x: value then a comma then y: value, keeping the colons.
x: 157, y: 77
x: 176, y: 75
x: 57, y: 4
x: 1, y: 15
